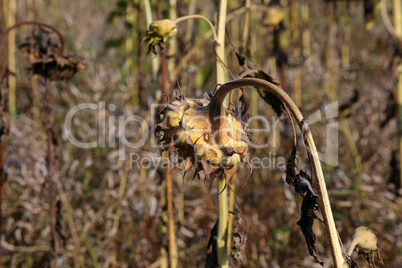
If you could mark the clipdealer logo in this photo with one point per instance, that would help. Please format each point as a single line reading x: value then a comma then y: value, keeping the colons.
x: 113, y: 133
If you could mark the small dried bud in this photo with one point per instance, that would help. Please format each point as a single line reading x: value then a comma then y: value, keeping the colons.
x: 364, y: 240
x: 159, y: 33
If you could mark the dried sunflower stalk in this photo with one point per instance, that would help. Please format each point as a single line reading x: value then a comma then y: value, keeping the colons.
x: 208, y: 137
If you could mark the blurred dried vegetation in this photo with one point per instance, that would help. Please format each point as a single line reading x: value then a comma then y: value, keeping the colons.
x: 105, y: 223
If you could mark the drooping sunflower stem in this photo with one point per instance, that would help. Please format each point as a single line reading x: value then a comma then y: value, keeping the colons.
x: 189, y: 17
x: 215, y: 110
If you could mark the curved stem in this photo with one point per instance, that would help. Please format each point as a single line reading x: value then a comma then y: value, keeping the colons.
x: 387, y: 21
x: 61, y: 50
x: 189, y: 17
x: 214, y: 109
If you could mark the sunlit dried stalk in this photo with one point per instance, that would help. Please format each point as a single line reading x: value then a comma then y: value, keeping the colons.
x: 223, y: 217
x: 311, y: 149
x: 199, y: 132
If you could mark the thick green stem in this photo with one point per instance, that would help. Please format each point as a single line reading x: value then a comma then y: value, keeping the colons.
x: 318, y: 179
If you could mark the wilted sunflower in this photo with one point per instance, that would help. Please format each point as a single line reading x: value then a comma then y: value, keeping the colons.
x: 45, y: 52
x: 201, y: 138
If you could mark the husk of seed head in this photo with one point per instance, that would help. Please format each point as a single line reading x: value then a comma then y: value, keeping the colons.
x: 211, y: 146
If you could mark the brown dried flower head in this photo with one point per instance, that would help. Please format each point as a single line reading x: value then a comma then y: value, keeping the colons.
x: 45, y: 52
x: 211, y: 145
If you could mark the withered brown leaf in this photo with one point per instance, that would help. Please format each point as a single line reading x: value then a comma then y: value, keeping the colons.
x: 268, y: 97
x: 256, y: 71
x: 240, y: 230
x: 292, y: 167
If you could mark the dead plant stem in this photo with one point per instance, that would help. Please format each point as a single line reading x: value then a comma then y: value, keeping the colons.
x: 318, y: 179
x: 223, y: 196
x: 52, y: 206
x: 168, y: 175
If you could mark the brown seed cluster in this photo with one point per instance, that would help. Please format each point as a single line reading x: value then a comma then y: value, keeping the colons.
x: 44, y: 50
x: 211, y: 145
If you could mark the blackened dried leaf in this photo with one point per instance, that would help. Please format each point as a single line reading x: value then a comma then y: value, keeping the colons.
x: 240, y: 230
x: 272, y: 100
x: 268, y: 97
x: 292, y: 167
x: 212, y: 254
x: 303, y: 184
x: 306, y: 225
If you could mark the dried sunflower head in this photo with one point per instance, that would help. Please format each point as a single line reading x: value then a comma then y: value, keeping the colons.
x: 211, y: 145
x: 43, y: 48
x: 56, y: 68
x: 159, y: 33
